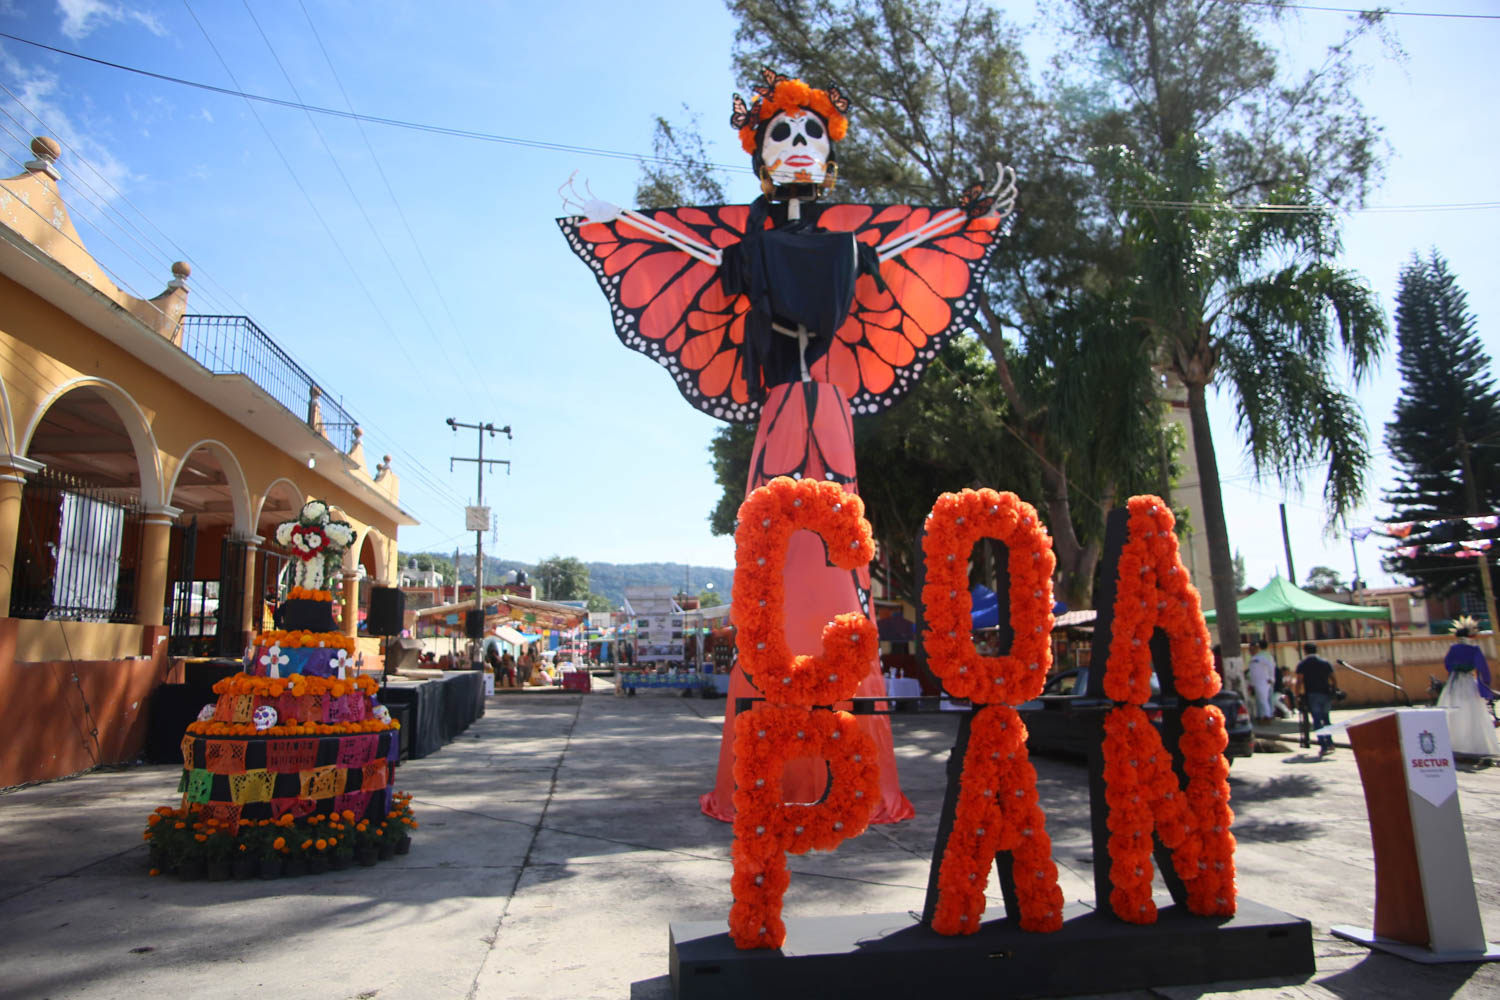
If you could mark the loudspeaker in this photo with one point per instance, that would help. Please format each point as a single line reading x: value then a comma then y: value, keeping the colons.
x: 387, y: 609
x: 474, y: 623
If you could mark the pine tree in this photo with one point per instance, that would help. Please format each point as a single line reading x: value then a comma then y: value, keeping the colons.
x: 1448, y: 412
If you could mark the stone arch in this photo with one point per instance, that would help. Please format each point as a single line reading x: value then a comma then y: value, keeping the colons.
x: 137, y: 427
x: 377, y: 564
x: 239, y: 487
x: 260, y: 505
x: 7, y: 422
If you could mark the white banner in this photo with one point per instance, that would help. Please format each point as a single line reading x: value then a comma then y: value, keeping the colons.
x: 1428, y: 753
x: 658, y: 638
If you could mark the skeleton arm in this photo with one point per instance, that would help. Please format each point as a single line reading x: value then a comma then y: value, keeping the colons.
x: 596, y: 210
x: 1002, y: 193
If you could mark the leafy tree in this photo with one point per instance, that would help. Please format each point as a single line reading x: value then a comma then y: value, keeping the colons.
x: 1192, y: 99
x: 1239, y: 572
x: 680, y: 173
x: 1251, y: 303
x: 598, y: 602
x: 1446, y: 432
x: 1324, y: 578
x: 562, y: 578
x: 709, y: 599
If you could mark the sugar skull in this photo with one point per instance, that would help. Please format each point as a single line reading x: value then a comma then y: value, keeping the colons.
x: 264, y: 718
x: 383, y: 714
x: 206, y: 713
x: 789, y: 130
x: 796, y: 149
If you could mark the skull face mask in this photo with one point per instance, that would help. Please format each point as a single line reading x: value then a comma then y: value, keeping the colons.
x: 796, y: 148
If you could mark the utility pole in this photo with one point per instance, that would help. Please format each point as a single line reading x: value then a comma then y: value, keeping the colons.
x: 474, y: 515
x: 1286, y: 544
x: 1472, y: 497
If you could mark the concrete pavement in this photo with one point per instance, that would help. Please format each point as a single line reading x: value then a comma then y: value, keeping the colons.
x: 561, y: 834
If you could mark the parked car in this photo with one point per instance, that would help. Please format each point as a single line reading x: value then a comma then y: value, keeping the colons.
x: 1056, y: 722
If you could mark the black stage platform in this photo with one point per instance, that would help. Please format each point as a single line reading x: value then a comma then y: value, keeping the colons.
x: 893, y: 954
x: 439, y: 709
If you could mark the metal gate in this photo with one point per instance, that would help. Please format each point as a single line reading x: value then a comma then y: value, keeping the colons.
x: 78, y: 550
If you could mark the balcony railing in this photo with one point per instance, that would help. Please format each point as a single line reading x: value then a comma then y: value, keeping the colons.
x: 235, y: 345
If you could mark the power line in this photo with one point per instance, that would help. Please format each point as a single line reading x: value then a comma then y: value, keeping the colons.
x: 461, y: 133
x: 1381, y: 12
x: 467, y: 370
x: 1273, y: 209
x: 390, y: 190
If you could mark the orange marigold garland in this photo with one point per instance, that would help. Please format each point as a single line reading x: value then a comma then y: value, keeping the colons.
x: 768, y: 518
x: 958, y: 520
x: 1142, y: 791
x: 997, y: 811
x: 787, y: 726
x: 997, y: 807
x: 766, y: 829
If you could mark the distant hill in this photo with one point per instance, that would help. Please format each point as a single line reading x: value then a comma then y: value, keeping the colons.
x: 611, y: 579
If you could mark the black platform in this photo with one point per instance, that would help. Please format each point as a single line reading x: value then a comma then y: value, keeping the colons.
x: 892, y: 954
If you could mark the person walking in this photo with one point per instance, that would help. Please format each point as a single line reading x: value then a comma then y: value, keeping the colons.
x: 1262, y: 676
x: 1315, y: 683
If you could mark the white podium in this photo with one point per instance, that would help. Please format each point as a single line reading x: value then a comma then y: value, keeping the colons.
x: 1425, y: 907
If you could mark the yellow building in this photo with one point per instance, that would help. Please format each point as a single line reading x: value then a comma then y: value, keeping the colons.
x: 148, y: 456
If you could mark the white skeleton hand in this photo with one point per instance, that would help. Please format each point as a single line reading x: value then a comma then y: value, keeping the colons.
x: 1003, y: 191
x: 597, y: 210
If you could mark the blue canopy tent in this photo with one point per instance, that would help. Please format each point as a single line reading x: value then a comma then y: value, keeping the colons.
x: 986, y: 613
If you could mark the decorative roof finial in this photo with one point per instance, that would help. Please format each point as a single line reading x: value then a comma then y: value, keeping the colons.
x: 47, y: 151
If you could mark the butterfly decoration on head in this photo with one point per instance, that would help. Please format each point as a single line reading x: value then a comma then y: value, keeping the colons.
x: 660, y: 269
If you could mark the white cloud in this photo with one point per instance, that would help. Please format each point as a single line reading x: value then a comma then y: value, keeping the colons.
x: 38, y: 109
x: 81, y: 17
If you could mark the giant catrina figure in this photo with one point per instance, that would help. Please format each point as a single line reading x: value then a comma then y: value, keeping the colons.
x: 795, y: 313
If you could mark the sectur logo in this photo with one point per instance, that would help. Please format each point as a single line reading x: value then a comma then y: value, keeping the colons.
x: 1428, y: 743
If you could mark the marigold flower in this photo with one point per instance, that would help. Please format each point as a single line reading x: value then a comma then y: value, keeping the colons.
x: 278, y: 843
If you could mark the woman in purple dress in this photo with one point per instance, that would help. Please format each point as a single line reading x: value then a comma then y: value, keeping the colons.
x: 1467, y: 694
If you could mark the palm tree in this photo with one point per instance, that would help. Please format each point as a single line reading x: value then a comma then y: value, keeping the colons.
x: 1251, y: 302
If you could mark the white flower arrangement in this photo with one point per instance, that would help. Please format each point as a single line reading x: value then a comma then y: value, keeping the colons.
x: 318, y: 539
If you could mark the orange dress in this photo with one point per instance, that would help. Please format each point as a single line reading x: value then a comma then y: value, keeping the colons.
x: 806, y: 431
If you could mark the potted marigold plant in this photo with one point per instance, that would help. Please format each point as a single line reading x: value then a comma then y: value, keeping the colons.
x: 366, y: 843
x: 218, y: 850
x: 273, y: 852
x: 168, y: 834
x: 345, y: 839
x: 405, y: 821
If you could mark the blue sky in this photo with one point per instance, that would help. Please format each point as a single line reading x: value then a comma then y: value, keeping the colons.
x: 458, y: 296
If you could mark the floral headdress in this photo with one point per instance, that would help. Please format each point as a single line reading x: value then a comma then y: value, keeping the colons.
x: 778, y: 93
x: 1464, y: 625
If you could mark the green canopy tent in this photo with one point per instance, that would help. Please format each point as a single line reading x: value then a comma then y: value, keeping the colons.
x: 1281, y: 601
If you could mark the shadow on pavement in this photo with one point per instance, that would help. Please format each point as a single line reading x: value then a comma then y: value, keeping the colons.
x: 1372, y: 976
x: 1290, y: 786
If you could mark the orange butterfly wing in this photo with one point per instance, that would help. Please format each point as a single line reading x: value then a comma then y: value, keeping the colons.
x: 670, y: 306
x: 931, y: 292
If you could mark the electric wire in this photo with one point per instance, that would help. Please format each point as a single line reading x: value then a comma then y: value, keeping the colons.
x: 389, y: 188
x: 681, y: 161
x: 432, y: 482
x: 467, y: 371
x: 1381, y: 12
x: 461, y: 133
x: 421, y: 473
